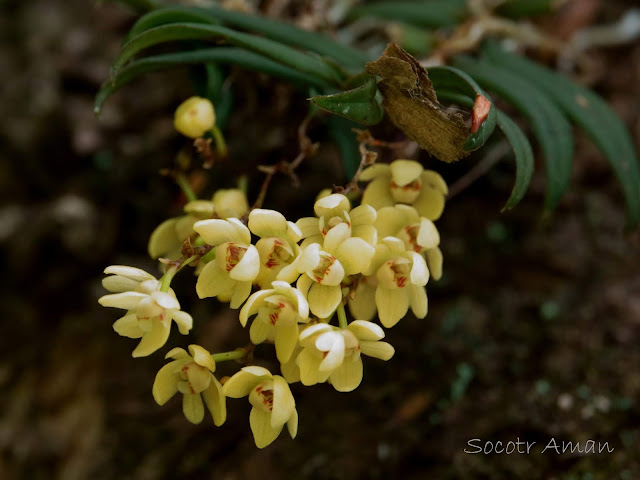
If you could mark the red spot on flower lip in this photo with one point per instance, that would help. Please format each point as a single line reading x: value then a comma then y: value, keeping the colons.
x: 480, y: 111
x: 415, y: 185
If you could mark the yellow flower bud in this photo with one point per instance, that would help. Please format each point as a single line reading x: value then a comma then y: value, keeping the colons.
x: 194, y: 117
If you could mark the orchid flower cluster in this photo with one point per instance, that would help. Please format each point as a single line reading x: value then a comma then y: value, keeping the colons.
x: 290, y: 281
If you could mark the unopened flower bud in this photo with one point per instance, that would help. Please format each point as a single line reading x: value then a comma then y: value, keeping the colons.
x: 194, y: 117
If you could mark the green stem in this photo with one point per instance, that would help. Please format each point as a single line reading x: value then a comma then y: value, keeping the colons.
x: 184, y: 184
x: 165, y: 281
x: 243, y: 184
x: 342, y: 316
x: 221, y: 145
x: 232, y: 355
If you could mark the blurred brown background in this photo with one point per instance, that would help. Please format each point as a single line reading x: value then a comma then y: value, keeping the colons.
x: 532, y: 333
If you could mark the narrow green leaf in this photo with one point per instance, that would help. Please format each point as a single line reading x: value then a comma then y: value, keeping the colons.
x: 359, y: 104
x: 166, y: 16
x: 526, y: 8
x: 341, y: 132
x: 429, y: 14
x: 194, y: 31
x: 455, y: 80
x: 523, y: 153
x: 591, y: 113
x: 549, y: 124
x: 230, y: 55
x: 272, y: 29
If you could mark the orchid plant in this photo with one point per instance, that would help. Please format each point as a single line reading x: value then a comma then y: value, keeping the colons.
x: 314, y: 287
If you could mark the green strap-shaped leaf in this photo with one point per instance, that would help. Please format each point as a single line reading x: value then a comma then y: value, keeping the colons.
x: 526, y: 8
x: 194, y: 31
x: 274, y: 29
x: 455, y: 80
x: 429, y: 14
x: 549, y: 124
x: 592, y: 114
x: 166, y: 16
x: 360, y: 104
x: 522, y: 150
x: 341, y: 132
x: 231, y: 55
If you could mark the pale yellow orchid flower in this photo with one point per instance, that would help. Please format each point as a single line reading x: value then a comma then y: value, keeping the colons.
x: 236, y: 264
x: 192, y: 375
x: 405, y: 181
x: 272, y: 401
x: 149, y: 311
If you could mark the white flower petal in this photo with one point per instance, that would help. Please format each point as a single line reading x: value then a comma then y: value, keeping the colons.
x: 286, y: 339
x: 381, y: 350
x: 192, y: 407
x: 419, y: 270
x: 363, y: 303
x: 216, y: 402
x: 430, y: 203
x: 333, y: 344
x: 254, y: 303
x: 128, y: 326
x: 331, y: 205
x: 309, y: 364
x: 298, y: 299
x: 177, y: 353
x: 118, y: 284
x: 267, y: 223
x: 202, y: 357
x: 418, y: 301
x: 366, y: 232
x: 392, y: 305
x: 163, y: 239
x: 434, y: 180
x: 335, y: 237
x: 390, y: 221
x: 124, y: 300
x: 183, y: 320
x: 248, y: 267
x: 230, y: 203
x: 355, y: 255
x: 363, y: 215
x: 377, y: 194
x: 324, y: 299
x: 304, y: 284
x: 376, y: 170
x: 428, y: 235
x: 308, y: 332
x: 216, y: 232
x: 263, y: 433
x: 213, y: 281
x: 366, y: 331
x: 165, y: 300
x: 434, y: 261
x: 259, y: 331
x: 309, y: 226
x: 309, y: 258
x: 292, y: 424
x: 129, y: 272
x: 165, y: 384
x: 283, y: 402
x: 240, y: 384
x: 294, y: 234
x: 240, y: 293
x: 348, y: 375
x: 403, y: 172
x: 152, y: 340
